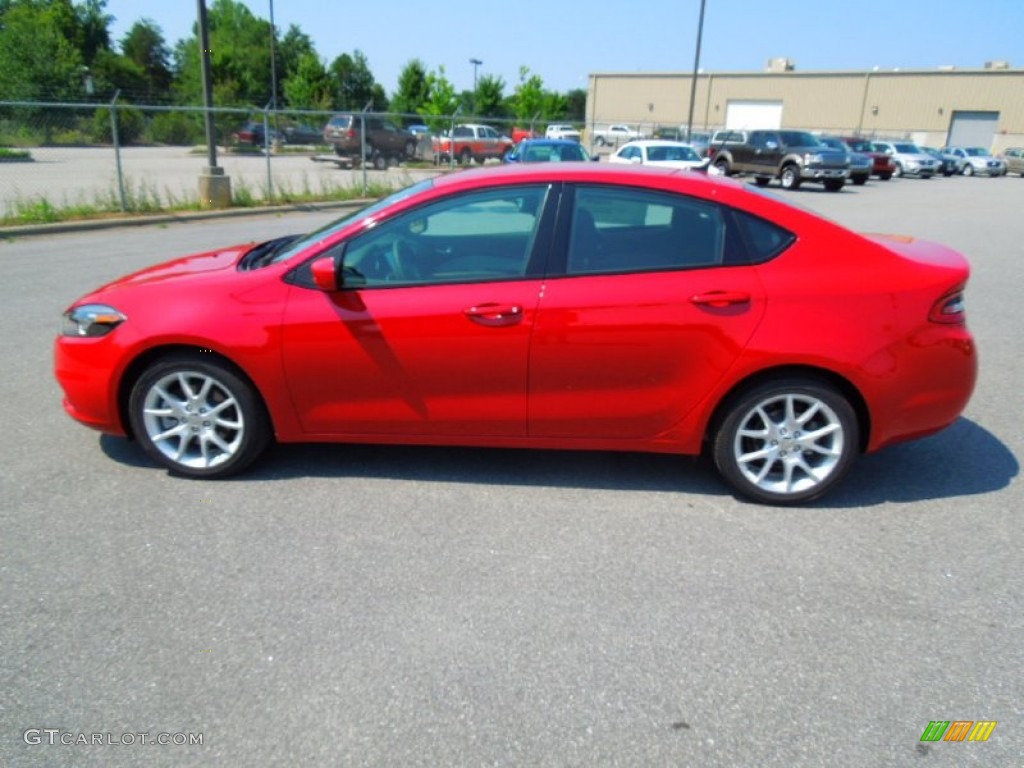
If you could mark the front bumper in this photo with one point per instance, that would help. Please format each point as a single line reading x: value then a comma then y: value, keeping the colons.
x: 810, y: 172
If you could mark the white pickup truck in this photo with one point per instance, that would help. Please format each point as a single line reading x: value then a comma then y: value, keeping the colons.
x: 615, y: 134
x: 562, y: 131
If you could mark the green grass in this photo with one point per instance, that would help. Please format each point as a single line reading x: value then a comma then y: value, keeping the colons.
x: 15, y: 155
x: 143, y: 198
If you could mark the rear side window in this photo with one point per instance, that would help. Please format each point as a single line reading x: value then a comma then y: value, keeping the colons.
x: 763, y: 239
x: 633, y: 230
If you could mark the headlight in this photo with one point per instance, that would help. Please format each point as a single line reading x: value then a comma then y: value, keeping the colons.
x: 90, y: 320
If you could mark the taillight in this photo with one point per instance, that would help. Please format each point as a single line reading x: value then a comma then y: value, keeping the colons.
x: 949, y: 309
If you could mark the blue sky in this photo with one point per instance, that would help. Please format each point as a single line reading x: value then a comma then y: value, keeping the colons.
x: 564, y: 41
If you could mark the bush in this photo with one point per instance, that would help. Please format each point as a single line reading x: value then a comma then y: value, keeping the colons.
x: 176, y: 128
x: 130, y: 124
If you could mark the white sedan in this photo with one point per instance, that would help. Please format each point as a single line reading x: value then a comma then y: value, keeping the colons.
x: 666, y: 154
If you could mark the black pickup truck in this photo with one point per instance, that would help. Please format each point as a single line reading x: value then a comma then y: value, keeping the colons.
x: 792, y: 157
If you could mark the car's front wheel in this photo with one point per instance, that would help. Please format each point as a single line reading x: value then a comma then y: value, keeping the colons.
x: 786, y: 441
x: 968, y: 170
x: 790, y: 177
x: 197, y: 417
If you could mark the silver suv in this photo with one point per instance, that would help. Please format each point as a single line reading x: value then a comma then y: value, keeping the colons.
x: 909, y: 158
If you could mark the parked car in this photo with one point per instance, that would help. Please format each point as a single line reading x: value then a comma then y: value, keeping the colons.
x: 668, y: 154
x: 562, y: 131
x: 909, y: 159
x: 860, y: 164
x: 948, y: 164
x: 1014, y: 159
x: 470, y: 142
x: 547, y: 151
x: 300, y: 133
x: 384, y: 140
x: 792, y: 157
x: 883, y: 166
x: 255, y: 133
x: 418, y: 129
x: 976, y: 161
x: 699, y: 140
x: 545, y: 305
x: 615, y: 135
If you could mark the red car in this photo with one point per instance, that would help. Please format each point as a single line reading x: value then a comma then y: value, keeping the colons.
x: 882, y: 165
x: 548, y: 305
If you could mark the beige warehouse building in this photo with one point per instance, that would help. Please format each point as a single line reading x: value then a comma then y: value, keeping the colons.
x: 977, y: 107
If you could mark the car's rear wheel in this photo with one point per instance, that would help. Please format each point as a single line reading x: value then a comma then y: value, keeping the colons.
x: 897, y: 171
x: 722, y: 167
x: 380, y: 160
x: 790, y: 177
x: 786, y: 441
x: 762, y: 181
x: 860, y: 180
x: 885, y: 176
x: 410, y: 150
x: 835, y: 185
x: 197, y: 417
x: 465, y: 157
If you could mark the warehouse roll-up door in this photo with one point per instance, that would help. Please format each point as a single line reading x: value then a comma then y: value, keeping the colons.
x: 753, y: 114
x: 973, y: 129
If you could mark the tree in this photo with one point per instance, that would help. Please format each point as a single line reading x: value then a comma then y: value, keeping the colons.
x: 489, y: 97
x: 527, y: 101
x: 353, y: 84
x: 576, y: 105
x: 239, y: 58
x: 93, y: 29
x: 413, y: 89
x: 144, y: 46
x: 38, y: 57
x: 441, y: 100
x: 310, y: 86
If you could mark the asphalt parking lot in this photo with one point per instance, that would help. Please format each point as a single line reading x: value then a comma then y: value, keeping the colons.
x: 387, y: 606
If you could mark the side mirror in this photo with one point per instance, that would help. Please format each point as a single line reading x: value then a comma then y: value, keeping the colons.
x: 636, y: 160
x: 325, y: 274
x: 512, y: 157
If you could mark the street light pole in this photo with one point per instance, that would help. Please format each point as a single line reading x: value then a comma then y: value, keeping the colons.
x: 214, y: 186
x: 476, y: 63
x: 273, y: 60
x: 696, y: 67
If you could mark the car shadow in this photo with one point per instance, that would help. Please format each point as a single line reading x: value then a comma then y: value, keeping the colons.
x: 963, y: 460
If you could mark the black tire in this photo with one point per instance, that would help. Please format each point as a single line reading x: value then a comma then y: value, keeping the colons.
x: 885, y: 176
x: 790, y: 177
x: 465, y: 157
x: 898, y: 171
x: 380, y: 161
x: 809, y: 442
x: 860, y: 181
x: 723, y: 167
x: 410, y: 150
x: 762, y: 181
x: 968, y: 170
x: 601, y: 141
x: 835, y: 185
x: 197, y: 417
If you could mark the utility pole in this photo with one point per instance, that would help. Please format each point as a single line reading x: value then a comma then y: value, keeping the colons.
x: 214, y: 186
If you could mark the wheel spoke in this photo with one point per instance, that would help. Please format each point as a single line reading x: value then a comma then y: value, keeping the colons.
x: 175, y: 431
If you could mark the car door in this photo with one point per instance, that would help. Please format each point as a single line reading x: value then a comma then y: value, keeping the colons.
x: 646, y: 318
x: 430, y: 334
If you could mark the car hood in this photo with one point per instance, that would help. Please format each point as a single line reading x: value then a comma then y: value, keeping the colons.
x: 185, y: 267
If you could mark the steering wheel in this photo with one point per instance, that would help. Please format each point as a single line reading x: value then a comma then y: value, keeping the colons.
x: 401, y: 259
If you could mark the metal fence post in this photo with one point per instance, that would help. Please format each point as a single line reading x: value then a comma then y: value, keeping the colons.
x: 117, y: 148
x: 266, y: 151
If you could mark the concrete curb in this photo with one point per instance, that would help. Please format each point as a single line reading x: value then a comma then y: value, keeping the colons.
x: 88, y: 225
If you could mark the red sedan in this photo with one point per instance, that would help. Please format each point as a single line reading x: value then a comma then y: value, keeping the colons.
x: 551, y: 305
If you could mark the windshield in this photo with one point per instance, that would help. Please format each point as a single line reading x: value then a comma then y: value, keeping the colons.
x: 798, y: 139
x: 907, y: 149
x: 860, y: 146
x: 976, y: 152
x: 671, y: 152
x: 363, y: 213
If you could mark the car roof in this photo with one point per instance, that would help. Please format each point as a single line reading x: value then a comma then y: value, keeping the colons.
x: 551, y: 142
x: 656, y: 143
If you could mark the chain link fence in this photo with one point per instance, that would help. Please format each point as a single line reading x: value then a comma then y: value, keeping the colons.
x: 94, y: 158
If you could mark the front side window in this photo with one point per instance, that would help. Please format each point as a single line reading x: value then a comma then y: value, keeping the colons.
x: 633, y: 230
x: 479, y: 236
